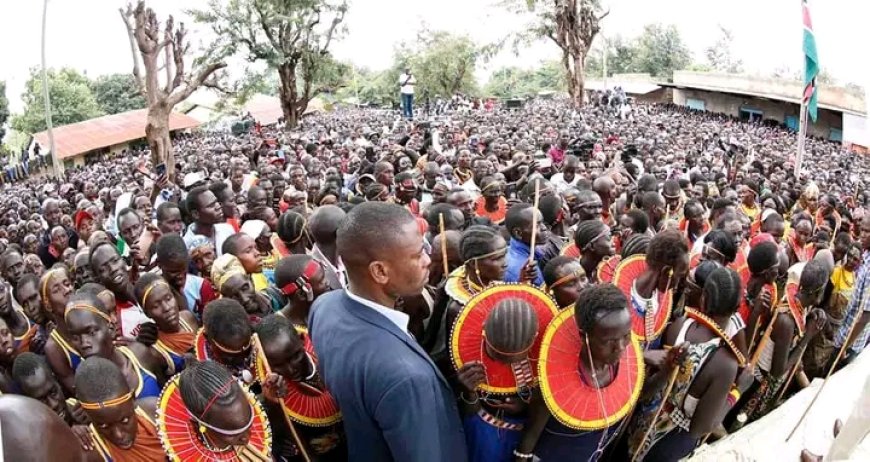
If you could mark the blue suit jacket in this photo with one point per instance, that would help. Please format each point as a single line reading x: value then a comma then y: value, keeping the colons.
x: 394, y: 402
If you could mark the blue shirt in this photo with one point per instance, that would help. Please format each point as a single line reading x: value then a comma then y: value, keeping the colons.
x: 517, y: 257
x: 857, y: 306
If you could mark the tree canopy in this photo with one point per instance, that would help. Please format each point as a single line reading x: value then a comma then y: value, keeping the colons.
x: 4, y: 109
x: 661, y: 50
x: 71, y: 100
x: 719, y: 55
x: 658, y: 51
x: 512, y: 81
x: 116, y: 93
x: 444, y: 64
x: 290, y: 38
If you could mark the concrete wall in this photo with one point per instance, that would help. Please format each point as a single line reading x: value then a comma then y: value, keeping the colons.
x: 835, y: 97
x: 776, y: 110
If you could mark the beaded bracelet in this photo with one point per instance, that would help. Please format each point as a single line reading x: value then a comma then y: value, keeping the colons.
x: 523, y: 455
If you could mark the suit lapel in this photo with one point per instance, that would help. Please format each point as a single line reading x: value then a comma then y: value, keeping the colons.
x: 373, y: 317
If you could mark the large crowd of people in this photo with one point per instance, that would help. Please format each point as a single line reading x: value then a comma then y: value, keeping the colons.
x: 488, y: 284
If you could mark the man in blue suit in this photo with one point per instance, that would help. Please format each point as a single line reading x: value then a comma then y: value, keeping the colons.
x: 395, y: 404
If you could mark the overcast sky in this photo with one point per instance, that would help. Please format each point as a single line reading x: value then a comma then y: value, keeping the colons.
x: 89, y: 34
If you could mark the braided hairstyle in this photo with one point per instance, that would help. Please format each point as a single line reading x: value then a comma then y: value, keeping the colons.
x: 291, y: 225
x: 206, y: 384
x: 99, y: 379
x: 703, y: 271
x: 722, y: 290
x: 595, y: 302
x: 637, y: 244
x: 511, y: 327
x: 587, y: 231
x: 476, y: 241
x: 667, y: 248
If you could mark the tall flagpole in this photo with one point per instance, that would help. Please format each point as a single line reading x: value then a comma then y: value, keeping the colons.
x: 58, y: 168
x: 802, y: 136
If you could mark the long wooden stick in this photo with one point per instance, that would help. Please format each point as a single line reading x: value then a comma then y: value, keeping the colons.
x: 671, y: 380
x: 534, y: 221
x: 791, y: 374
x: 763, y: 342
x: 443, y: 244
x: 830, y: 371
x: 260, y: 352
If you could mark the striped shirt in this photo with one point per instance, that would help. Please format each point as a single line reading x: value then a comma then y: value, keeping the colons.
x: 857, y: 306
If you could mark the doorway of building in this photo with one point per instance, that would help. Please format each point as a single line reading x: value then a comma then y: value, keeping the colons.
x: 751, y: 115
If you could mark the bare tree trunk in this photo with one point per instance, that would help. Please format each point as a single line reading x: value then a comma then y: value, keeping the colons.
x: 577, y: 23
x: 157, y: 134
x: 153, y: 41
x: 288, y: 95
x: 579, y: 78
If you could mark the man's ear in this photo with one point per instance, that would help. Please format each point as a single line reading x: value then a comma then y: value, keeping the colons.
x: 379, y: 272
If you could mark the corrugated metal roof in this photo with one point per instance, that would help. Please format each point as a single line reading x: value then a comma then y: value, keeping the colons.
x: 630, y: 87
x: 79, y: 138
x: 265, y: 109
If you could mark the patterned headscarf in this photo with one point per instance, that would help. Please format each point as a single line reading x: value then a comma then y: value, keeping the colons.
x: 225, y: 267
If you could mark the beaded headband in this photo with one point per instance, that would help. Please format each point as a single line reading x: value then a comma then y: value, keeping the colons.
x: 47, y: 279
x: 568, y: 278
x: 108, y: 403
x: 150, y: 287
x: 309, y: 272
x: 487, y: 255
x: 88, y: 308
x: 589, y: 244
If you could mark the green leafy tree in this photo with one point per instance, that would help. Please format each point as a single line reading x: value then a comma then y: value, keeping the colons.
x: 370, y: 87
x: 661, y: 51
x: 71, y: 100
x: 290, y: 37
x: 116, y: 93
x: 515, y: 82
x: 444, y: 64
x: 4, y: 109
x: 622, y: 57
x: 719, y: 55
